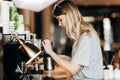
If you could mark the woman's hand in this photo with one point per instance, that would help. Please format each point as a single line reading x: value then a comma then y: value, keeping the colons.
x: 47, y: 46
x: 37, y: 60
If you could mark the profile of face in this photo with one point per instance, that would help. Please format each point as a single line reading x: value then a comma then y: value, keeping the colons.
x: 61, y: 20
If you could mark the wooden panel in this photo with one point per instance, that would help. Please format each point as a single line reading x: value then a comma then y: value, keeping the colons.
x: 46, y: 23
x: 29, y: 19
x: 32, y: 22
x: 97, y: 2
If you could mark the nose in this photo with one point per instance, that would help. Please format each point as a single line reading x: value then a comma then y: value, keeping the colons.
x: 59, y: 24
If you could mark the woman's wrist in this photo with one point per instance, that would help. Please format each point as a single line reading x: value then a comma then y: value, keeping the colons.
x: 51, y: 52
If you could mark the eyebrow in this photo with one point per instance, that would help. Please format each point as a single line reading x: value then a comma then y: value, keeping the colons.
x: 57, y: 18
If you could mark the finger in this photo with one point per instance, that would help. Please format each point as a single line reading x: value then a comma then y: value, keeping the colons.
x: 43, y: 43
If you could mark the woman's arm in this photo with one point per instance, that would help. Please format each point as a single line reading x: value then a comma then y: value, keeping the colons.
x: 67, y: 58
x: 71, y: 67
x: 34, y: 5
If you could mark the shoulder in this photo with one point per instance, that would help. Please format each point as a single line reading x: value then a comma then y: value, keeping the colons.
x: 84, y: 35
x: 84, y: 38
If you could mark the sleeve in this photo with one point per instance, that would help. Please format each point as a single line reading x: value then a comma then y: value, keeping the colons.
x: 83, y: 52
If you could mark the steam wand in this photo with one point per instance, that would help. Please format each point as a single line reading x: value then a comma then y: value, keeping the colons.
x: 31, y: 59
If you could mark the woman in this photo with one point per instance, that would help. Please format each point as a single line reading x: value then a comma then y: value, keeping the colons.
x: 86, y: 61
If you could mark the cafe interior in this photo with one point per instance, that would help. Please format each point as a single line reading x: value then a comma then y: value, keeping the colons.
x: 34, y: 25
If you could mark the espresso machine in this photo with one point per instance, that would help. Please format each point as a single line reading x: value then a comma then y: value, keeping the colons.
x: 20, y: 57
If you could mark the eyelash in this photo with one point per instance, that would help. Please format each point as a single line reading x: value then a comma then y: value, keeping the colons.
x: 60, y: 19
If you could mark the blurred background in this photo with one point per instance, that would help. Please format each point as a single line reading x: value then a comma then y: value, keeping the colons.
x: 103, y: 15
x: 97, y: 13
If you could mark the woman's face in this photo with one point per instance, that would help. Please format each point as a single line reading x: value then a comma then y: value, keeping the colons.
x: 61, y: 20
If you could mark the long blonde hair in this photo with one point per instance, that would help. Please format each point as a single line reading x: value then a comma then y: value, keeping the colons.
x: 75, y: 23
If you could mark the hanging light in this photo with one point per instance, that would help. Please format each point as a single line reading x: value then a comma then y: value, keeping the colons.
x: 33, y: 5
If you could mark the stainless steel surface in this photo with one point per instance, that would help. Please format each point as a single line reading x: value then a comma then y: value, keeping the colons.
x: 48, y: 63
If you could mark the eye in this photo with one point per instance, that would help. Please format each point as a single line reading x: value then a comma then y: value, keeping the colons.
x: 60, y: 19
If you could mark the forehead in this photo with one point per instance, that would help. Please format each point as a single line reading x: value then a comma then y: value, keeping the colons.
x: 59, y: 17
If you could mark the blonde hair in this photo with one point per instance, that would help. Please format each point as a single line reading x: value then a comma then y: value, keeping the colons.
x: 75, y: 23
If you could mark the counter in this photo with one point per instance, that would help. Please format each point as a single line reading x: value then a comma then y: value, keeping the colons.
x: 58, y: 74
x: 61, y: 74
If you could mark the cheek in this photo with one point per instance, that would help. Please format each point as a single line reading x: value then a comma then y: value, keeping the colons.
x: 65, y: 23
